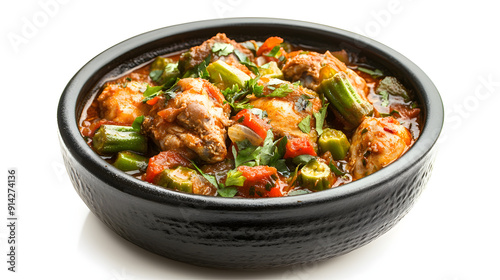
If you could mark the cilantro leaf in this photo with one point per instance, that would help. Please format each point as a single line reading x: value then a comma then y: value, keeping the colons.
x: 152, y: 92
x: 210, y: 178
x: 305, y: 124
x: 303, y: 159
x: 253, y: 86
x: 136, y: 125
x: 320, y: 119
x: 267, y: 150
x: 223, y: 191
x: 335, y: 169
x: 227, y: 191
x: 233, y: 95
x: 274, y: 51
x: 201, y: 69
x: 222, y: 49
x: 246, y: 155
x: 282, y: 91
x: 246, y: 61
x: 374, y: 73
x: 235, y: 178
x: 277, y: 159
x: 384, y: 96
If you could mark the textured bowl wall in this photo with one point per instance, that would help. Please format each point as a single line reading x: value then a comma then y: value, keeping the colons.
x: 209, y: 235
x: 246, y: 233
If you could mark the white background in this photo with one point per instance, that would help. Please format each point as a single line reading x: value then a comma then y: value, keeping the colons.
x: 452, y: 233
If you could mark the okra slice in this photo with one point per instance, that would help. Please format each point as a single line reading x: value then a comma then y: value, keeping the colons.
x: 316, y: 176
x: 344, y: 98
x: 225, y: 76
x: 128, y: 161
x: 179, y: 178
x: 271, y: 70
x: 110, y: 139
x: 335, y: 142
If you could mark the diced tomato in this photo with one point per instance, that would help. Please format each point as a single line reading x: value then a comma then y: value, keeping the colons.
x: 162, y: 161
x: 275, y: 192
x: 261, y: 181
x: 268, y: 45
x: 153, y: 101
x: 255, y: 174
x: 299, y: 146
x: 253, y: 122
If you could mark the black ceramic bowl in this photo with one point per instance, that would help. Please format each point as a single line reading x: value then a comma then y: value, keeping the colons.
x: 246, y: 233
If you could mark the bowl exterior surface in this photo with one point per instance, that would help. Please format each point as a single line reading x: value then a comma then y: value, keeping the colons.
x: 250, y: 239
x: 246, y: 233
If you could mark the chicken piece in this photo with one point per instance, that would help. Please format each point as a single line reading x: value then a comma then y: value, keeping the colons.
x: 285, y: 113
x: 198, y: 54
x: 122, y: 102
x: 195, y: 119
x: 305, y: 67
x: 376, y: 143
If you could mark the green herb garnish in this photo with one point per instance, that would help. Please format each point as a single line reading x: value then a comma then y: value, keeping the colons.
x: 320, y: 119
x: 305, y: 124
x: 136, y: 125
x: 222, y: 49
x: 377, y: 73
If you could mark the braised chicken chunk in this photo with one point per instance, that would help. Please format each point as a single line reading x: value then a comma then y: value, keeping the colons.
x: 195, y: 118
x: 285, y: 113
x: 376, y: 143
x: 122, y: 102
x: 306, y: 67
x: 217, y: 47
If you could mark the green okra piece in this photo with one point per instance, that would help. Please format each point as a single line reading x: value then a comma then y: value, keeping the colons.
x: 344, y: 98
x: 164, y: 71
x: 179, y: 178
x: 316, y: 176
x: 335, y: 142
x: 271, y: 70
x: 129, y: 161
x: 110, y: 139
x: 225, y: 76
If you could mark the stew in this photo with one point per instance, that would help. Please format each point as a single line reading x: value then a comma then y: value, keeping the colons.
x: 252, y: 119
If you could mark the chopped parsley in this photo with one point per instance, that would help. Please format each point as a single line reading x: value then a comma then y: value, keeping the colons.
x: 335, y: 169
x: 377, y: 73
x: 281, y: 91
x: 305, y: 124
x: 320, y: 119
x: 384, y: 97
x: 274, y: 51
x: 270, y: 153
x: 235, y: 178
x: 222, y: 190
x: 152, y: 92
x: 136, y: 125
x: 246, y: 61
x: 222, y: 49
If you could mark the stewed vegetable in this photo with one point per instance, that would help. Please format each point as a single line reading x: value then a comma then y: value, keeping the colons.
x: 252, y: 119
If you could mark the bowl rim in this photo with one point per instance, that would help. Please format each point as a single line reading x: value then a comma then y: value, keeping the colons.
x: 72, y: 140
